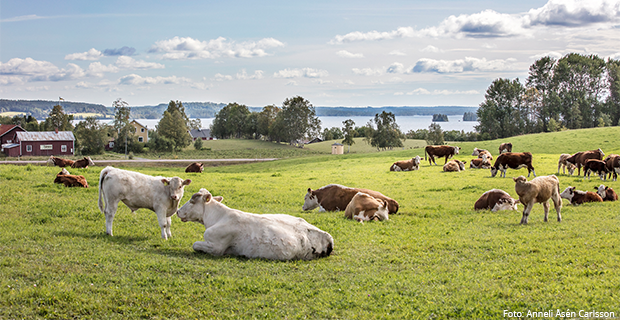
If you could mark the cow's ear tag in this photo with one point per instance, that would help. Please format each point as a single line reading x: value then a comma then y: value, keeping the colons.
x: 186, y: 182
x: 207, y: 197
x: 165, y: 181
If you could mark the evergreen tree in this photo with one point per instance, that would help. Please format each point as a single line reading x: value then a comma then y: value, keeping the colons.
x: 172, y: 127
x: 58, y: 119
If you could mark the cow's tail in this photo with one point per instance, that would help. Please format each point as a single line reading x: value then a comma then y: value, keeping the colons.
x: 102, y: 176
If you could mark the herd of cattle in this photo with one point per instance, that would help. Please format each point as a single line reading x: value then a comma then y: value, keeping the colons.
x: 284, y: 237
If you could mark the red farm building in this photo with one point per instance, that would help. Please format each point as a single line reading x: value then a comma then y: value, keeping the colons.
x: 45, y: 143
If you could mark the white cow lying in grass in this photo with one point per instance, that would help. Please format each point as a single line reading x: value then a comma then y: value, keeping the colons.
x: 268, y: 236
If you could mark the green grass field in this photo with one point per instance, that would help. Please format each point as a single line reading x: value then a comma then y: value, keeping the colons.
x: 437, y: 258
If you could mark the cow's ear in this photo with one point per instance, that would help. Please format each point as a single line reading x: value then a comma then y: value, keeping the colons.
x: 207, y: 197
x: 517, y: 201
x: 515, y: 179
x: 218, y: 198
x: 165, y: 181
x: 309, y: 190
x: 186, y: 182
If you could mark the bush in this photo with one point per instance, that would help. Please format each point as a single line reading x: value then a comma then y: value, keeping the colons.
x: 198, y: 144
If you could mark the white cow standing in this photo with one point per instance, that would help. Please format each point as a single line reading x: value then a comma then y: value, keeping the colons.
x: 268, y: 236
x: 137, y: 190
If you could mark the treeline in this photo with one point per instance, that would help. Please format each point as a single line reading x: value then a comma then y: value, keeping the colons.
x: 575, y: 91
x: 40, y: 109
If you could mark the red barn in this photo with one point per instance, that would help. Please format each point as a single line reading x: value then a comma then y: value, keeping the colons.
x: 8, y: 135
x: 46, y: 143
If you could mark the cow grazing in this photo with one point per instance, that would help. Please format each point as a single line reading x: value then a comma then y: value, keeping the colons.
x: 83, y: 163
x: 564, y: 164
x: 268, y: 236
x: 440, y: 151
x: 70, y: 180
x: 538, y: 190
x: 481, y: 152
x: 505, y: 147
x: 59, y: 162
x: 364, y: 207
x: 454, y: 166
x: 195, y: 167
x: 578, y: 197
x: 516, y: 160
x: 406, y: 165
x: 335, y: 197
x: 606, y: 193
x: 612, y: 162
x: 496, y: 200
x: 137, y: 190
x: 579, y: 159
x: 593, y: 165
x: 480, y: 163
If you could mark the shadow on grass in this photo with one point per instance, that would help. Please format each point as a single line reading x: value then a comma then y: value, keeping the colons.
x: 103, y: 236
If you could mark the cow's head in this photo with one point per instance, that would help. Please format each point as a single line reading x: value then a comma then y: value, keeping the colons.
x: 494, y: 171
x: 568, y: 193
x: 51, y: 161
x: 601, y: 152
x: 461, y: 165
x: 519, y: 179
x: 63, y: 172
x: 506, y: 204
x: 571, y: 168
x: 89, y: 161
x: 456, y: 150
x: 175, y: 187
x: 311, y: 201
x: 195, y: 209
x: 601, y: 190
x: 476, y: 152
x: 416, y: 160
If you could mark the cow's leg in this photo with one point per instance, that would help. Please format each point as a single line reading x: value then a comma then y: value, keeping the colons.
x: 164, y: 223
x: 526, y: 212
x: 110, y: 211
x: 168, y: 225
x: 557, y: 203
x: 546, y: 208
x: 215, y: 243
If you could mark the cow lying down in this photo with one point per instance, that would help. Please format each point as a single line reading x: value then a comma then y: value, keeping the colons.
x: 335, y: 197
x: 267, y: 236
x: 578, y: 197
x: 496, y: 200
x: 70, y: 180
x: 364, y: 207
x: 607, y: 193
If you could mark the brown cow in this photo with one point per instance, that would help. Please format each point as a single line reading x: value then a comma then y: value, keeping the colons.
x: 607, y: 193
x: 335, y: 197
x: 454, y: 166
x: 579, y: 159
x: 538, y: 190
x: 593, y: 165
x: 480, y: 163
x: 496, y: 200
x: 564, y: 165
x: 60, y: 162
x: 505, y: 147
x: 70, y: 180
x: 364, y: 207
x: 579, y: 197
x: 195, y: 167
x: 440, y: 151
x: 83, y: 163
x: 481, y: 152
x: 406, y: 165
x: 612, y: 162
x: 516, y: 160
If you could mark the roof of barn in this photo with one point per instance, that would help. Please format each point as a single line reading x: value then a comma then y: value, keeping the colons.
x: 46, y: 136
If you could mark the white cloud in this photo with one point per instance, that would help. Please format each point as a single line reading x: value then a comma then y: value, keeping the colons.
x: 367, y: 71
x: 396, y: 68
x: 92, y: 54
x: 422, y: 91
x: 486, y: 24
x: 22, y: 18
x: 397, y: 53
x: 574, y: 13
x: 243, y: 75
x: 552, y: 54
x: 223, y: 77
x: 27, y: 67
x: 347, y: 54
x: 430, y: 48
x: 97, y: 69
x: 134, y: 79
x: 125, y: 62
x: 181, y: 48
x: 402, y: 32
x: 298, y: 73
x: 462, y: 65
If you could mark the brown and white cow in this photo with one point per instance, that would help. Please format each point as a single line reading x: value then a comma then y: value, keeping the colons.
x: 564, y: 164
x: 579, y: 159
x: 364, y: 207
x: 440, y: 151
x: 83, y: 163
x: 612, y: 162
x: 454, y: 166
x: 406, y: 165
x: 496, y: 200
x: 505, y: 147
x: 481, y: 152
x: 578, y: 197
x: 480, y: 163
x: 70, y: 180
x: 59, y: 162
x: 195, y: 167
x: 607, y: 193
x: 538, y: 190
x: 335, y: 197
x: 593, y: 165
x: 516, y: 160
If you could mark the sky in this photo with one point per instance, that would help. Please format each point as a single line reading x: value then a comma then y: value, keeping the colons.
x: 332, y: 53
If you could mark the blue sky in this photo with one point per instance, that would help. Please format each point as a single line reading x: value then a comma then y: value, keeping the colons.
x: 333, y: 53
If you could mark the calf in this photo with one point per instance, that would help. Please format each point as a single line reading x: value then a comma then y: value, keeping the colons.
x: 511, y: 160
x: 137, y: 190
x: 496, y: 200
x: 70, y: 180
x: 578, y: 197
x: 335, y: 197
x: 440, y: 151
x: 612, y: 162
x: 593, y: 165
x: 538, y: 190
x: 481, y: 152
x: 364, y: 207
x: 505, y: 147
x: 195, y: 167
x: 480, y: 163
x: 267, y: 236
x: 59, y: 162
x: 579, y: 159
x: 454, y: 166
x: 83, y: 163
x: 564, y: 164
x: 406, y: 165
x: 606, y: 193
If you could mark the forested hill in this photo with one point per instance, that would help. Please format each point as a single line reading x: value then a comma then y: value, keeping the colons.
x: 40, y: 109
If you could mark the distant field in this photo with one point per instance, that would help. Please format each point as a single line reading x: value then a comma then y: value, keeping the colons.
x: 10, y: 113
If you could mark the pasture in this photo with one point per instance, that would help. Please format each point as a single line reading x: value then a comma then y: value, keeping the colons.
x: 437, y: 258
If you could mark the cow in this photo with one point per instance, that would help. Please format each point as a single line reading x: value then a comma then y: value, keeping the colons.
x: 454, y: 166
x: 579, y: 159
x: 195, y: 167
x: 593, y: 165
x: 83, y: 163
x: 612, y: 162
x: 335, y: 197
x: 496, y: 200
x: 481, y: 152
x: 577, y: 197
x: 63, y: 172
x: 59, y: 162
x: 480, y: 163
x: 440, y: 151
x: 137, y: 190
x: 505, y: 147
x: 364, y: 207
x: 267, y: 236
x: 607, y: 193
x: 406, y: 165
x: 70, y: 180
x: 516, y: 160
x: 538, y: 190
x: 564, y: 164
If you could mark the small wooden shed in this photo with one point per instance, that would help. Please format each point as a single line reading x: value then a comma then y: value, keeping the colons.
x: 337, y: 148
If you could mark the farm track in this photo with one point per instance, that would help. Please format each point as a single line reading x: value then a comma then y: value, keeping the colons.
x: 141, y: 161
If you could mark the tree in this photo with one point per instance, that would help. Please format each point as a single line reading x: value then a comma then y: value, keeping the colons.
x: 542, y: 98
x: 332, y: 134
x: 349, y: 132
x: 296, y: 121
x: 198, y: 144
x: 612, y: 104
x: 159, y: 143
x: 265, y: 120
x: 91, y: 135
x: 124, y: 131
x: 230, y: 121
x: 172, y: 127
x: 58, y: 119
x: 388, y: 134
x: 500, y: 115
x: 434, y: 135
